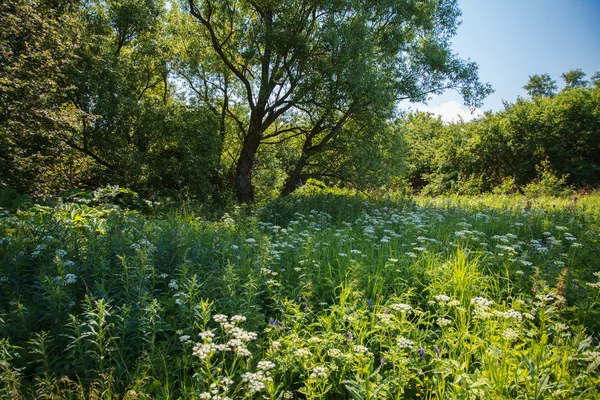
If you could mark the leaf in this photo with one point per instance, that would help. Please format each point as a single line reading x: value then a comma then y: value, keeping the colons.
x: 355, y: 390
x: 592, y: 367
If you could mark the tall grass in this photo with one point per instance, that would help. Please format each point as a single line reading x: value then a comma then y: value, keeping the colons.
x: 321, y: 295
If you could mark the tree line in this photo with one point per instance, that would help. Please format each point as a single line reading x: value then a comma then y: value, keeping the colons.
x: 243, y: 99
x: 551, y: 135
x: 219, y: 99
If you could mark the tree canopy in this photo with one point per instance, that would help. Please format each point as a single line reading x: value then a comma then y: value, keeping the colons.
x: 305, y: 69
x: 247, y: 99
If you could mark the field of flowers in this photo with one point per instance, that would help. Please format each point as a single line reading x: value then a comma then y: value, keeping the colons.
x: 317, y: 296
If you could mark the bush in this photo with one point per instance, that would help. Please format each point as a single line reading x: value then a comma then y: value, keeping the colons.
x: 548, y: 183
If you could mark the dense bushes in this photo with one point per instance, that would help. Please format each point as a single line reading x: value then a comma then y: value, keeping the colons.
x: 528, y: 142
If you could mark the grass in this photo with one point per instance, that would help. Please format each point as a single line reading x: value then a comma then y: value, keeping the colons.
x: 318, y: 296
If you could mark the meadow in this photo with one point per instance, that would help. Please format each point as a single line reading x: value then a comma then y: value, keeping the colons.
x: 317, y: 296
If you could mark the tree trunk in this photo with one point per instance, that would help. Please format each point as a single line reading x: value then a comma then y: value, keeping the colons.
x: 245, y: 165
x: 294, y: 179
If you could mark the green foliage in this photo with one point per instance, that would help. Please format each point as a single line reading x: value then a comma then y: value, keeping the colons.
x: 507, y: 186
x: 89, y: 103
x: 574, y: 78
x: 547, y: 184
x: 541, y: 85
x: 316, y: 295
x: 562, y: 131
x: 37, y: 46
x: 312, y: 76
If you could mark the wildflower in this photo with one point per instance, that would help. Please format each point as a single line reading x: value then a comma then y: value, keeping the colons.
x: 442, y: 298
x: 437, y: 351
x: 207, y: 336
x: 256, y: 381
x: 242, y: 351
x: 220, y: 318
x: 184, y: 338
x: 202, y: 351
x: 173, y: 285
x: 250, y: 240
x: 222, y: 347
x: 513, y: 314
x: 443, y: 322
x: 393, y: 260
x: 303, y: 353
x: 404, y: 343
x: 360, y: 349
x: 510, y: 335
x: 226, y: 381
x: 401, y: 307
x: 69, y: 263
x: 61, y: 253
x: 481, y: 302
x: 422, y: 353
x: 319, y: 372
x: 70, y: 278
x: 335, y: 353
x: 244, y: 336
x: 238, y: 318
x: 453, y: 303
x: 265, y: 365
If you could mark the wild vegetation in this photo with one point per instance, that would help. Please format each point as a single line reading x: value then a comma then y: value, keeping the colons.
x: 319, y: 295
x: 552, y: 138
x: 223, y: 200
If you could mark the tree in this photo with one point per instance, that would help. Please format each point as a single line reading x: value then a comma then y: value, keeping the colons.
x: 596, y: 79
x: 574, y: 78
x: 133, y: 126
x: 37, y: 45
x: 541, y: 85
x: 306, y: 69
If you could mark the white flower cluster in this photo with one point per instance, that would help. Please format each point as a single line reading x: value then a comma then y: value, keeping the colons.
x: 237, y: 342
x: 361, y: 349
x: 481, y: 302
x: 510, y: 314
x: 401, y: 307
x: 404, y: 343
x: 443, y: 322
x: 319, y: 372
x: 510, y: 334
x: 68, y: 279
x: 215, y: 390
x: 335, y: 353
x: 303, y: 352
x: 256, y: 380
x: 203, y: 350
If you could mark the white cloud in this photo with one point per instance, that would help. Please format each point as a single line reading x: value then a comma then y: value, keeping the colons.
x: 450, y: 111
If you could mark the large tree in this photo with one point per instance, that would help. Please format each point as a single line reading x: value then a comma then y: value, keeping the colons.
x: 306, y: 68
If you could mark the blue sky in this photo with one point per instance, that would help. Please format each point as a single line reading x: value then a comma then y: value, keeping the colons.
x: 512, y: 39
